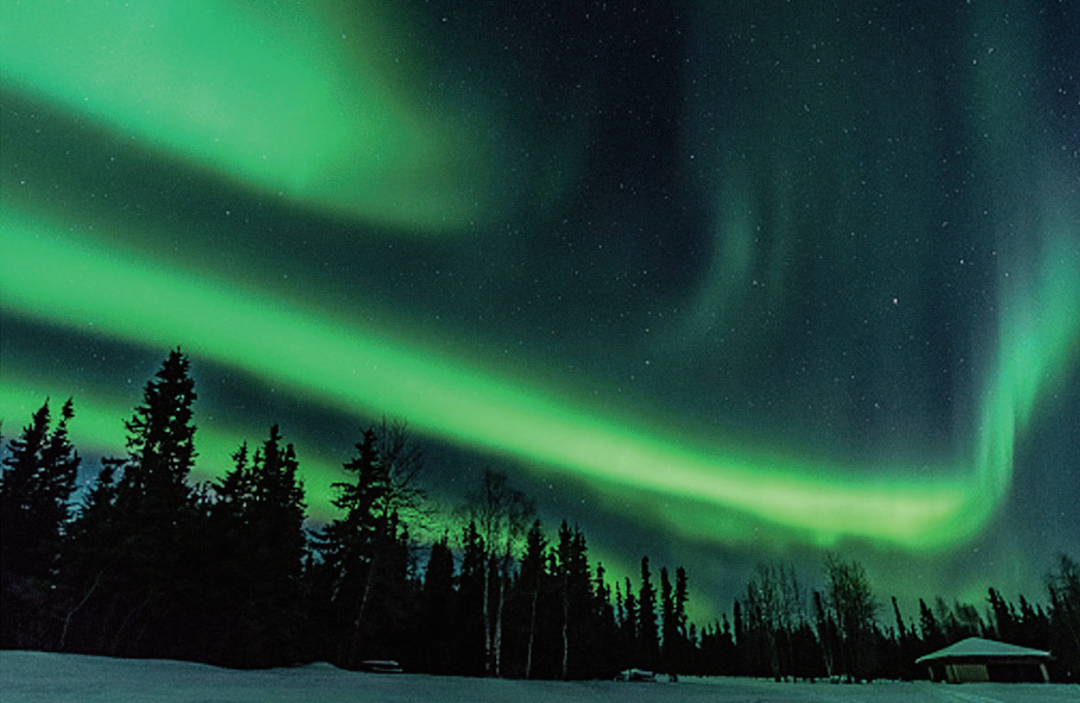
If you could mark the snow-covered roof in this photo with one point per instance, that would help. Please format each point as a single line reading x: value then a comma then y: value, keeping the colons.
x: 978, y: 647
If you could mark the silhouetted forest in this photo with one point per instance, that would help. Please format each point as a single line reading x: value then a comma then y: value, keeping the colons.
x: 143, y: 562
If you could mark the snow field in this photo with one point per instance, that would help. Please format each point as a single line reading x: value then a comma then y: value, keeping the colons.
x: 37, y: 677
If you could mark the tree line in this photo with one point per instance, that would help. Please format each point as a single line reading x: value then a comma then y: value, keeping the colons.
x: 143, y: 562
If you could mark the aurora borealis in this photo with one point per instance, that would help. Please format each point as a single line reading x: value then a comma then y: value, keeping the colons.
x: 722, y: 283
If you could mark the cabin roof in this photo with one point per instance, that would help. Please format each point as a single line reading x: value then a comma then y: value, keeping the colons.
x: 977, y: 647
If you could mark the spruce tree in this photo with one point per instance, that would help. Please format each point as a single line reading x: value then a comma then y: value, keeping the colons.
x: 742, y: 656
x: 469, y: 611
x: 1035, y: 625
x: 729, y: 656
x: 1005, y: 621
x: 35, y: 489
x: 667, y: 623
x: 256, y: 522
x: 134, y: 551
x: 684, y: 641
x: 580, y: 624
x: 161, y: 446
x: 906, y: 650
x: 564, y: 552
x: 365, y: 576
x: 605, y: 645
x: 158, y: 514
x: 355, y: 549
x: 630, y: 633
x: 648, y: 637
x: 1063, y: 584
x: 435, y: 628
x: 933, y: 638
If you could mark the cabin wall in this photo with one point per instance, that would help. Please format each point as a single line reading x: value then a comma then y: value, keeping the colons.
x: 966, y: 673
x: 1015, y: 671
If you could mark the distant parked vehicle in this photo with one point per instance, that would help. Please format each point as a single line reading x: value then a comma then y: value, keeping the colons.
x: 381, y: 666
x: 636, y: 675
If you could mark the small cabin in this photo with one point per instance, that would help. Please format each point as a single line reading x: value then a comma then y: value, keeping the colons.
x: 976, y: 659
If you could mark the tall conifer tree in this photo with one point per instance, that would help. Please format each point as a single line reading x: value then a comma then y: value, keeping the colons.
x: 135, y: 541
x: 161, y: 445
x: 648, y: 637
x: 355, y: 546
x: 35, y: 487
x: 682, y: 635
x: 257, y: 523
x: 435, y: 628
x: 667, y: 623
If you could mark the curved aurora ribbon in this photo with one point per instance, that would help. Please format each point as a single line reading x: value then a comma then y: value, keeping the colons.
x: 48, y: 274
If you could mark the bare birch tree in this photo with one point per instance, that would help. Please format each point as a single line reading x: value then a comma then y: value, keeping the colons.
x: 502, y: 515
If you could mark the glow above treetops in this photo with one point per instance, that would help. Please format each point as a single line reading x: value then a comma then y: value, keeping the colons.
x: 98, y: 429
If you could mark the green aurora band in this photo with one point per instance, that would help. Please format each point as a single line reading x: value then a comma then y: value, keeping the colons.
x: 51, y: 276
x: 291, y: 99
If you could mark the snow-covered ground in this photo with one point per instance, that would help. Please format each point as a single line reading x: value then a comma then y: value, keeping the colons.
x: 34, y: 677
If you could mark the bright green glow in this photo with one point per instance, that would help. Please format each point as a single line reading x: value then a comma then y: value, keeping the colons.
x: 95, y: 427
x: 98, y: 427
x: 50, y: 275
x: 1040, y: 336
x: 285, y: 96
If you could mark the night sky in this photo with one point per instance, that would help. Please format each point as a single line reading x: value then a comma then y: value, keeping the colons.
x: 721, y: 282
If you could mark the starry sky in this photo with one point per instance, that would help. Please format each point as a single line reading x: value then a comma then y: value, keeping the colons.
x: 723, y: 283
